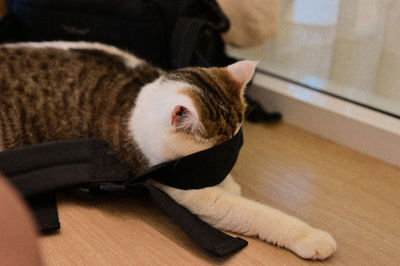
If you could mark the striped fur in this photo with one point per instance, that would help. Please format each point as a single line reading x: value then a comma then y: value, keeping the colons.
x: 49, y: 94
x: 217, y: 97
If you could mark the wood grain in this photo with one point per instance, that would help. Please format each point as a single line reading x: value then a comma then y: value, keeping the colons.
x: 354, y: 197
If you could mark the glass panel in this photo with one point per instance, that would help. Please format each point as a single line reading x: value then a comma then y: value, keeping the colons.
x: 349, y: 48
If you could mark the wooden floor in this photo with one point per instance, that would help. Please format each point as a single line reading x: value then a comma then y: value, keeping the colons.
x: 352, y: 196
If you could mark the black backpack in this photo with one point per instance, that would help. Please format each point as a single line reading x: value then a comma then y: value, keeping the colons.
x: 167, y: 33
x: 87, y: 166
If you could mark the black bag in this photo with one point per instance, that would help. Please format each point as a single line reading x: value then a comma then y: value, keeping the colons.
x: 41, y: 169
x: 167, y: 33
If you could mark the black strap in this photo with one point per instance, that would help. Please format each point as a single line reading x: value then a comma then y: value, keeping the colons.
x: 57, y: 165
x: 207, y: 237
x: 45, y: 211
x: 206, y: 168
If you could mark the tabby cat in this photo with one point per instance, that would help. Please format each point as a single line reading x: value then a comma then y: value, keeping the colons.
x: 63, y: 90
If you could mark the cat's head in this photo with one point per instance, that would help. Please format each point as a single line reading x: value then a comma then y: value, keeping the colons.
x: 190, y: 109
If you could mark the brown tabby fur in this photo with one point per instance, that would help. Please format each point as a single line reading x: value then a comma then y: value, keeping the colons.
x: 50, y: 94
x: 220, y: 103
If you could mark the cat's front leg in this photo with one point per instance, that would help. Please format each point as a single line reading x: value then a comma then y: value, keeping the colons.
x: 229, y: 211
x: 229, y: 184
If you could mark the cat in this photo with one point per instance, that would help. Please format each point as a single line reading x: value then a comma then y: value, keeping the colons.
x: 62, y: 90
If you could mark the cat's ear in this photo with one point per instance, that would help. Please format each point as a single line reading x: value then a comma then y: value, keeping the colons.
x: 242, y: 72
x: 185, y: 120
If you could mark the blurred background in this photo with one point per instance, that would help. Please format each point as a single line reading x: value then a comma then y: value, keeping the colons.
x: 346, y: 48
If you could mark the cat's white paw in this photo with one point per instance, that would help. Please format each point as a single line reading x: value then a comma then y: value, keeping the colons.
x: 316, y: 245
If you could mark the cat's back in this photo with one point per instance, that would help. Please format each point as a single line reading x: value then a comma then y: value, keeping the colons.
x: 44, y: 66
x: 61, y: 90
